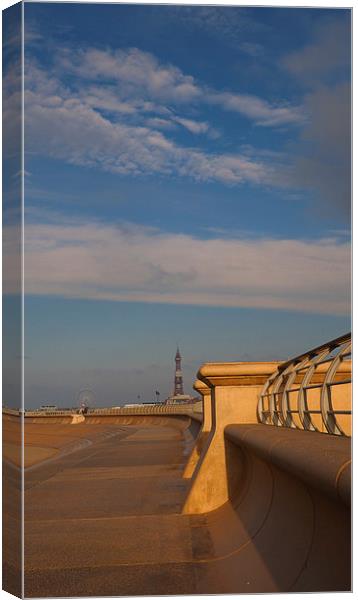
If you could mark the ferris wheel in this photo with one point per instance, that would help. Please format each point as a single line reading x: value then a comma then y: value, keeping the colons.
x: 85, y: 399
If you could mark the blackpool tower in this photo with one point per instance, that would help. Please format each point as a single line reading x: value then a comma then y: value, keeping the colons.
x: 178, y: 377
x: 178, y: 396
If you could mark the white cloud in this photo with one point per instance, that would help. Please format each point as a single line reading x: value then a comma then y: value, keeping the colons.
x: 119, y: 111
x: 134, y: 69
x: 11, y: 111
x: 258, y: 110
x: 112, y: 114
x: 195, y: 127
x: 159, y: 123
x: 192, y: 126
x: 107, y: 99
x: 130, y: 263
x: 141, y: 73
x: 63, y: 125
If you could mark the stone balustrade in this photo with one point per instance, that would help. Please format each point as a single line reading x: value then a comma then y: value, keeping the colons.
x: 234, y: 393
x: 310, y: 392
x: 205, y: 392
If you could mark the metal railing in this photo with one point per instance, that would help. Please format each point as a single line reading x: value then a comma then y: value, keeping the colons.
x: 312, y: 391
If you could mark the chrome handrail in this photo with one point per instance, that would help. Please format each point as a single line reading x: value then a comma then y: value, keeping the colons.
x: 311, y: 377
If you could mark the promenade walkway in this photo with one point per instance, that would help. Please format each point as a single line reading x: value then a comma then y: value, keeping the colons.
x: 105, y: 519
x: 251, y: 495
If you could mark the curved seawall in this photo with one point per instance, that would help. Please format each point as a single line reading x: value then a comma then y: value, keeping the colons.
x: 287, y: 524
x: 104, y: 514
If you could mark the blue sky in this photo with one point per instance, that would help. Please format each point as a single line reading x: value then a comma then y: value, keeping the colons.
x: 187, y: 180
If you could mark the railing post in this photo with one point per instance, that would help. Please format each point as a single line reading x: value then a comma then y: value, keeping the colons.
x: 206, y: 426
x: 235, y: 389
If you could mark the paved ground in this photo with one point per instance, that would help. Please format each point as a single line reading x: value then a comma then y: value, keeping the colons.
x: 105, y: 519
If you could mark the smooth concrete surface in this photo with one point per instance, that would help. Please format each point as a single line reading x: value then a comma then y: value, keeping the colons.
x: 321, y: 461
x: 11, y: 505
x: 206, y: 427
x: 105, y: 518
x: 235, y: 389
x: 276, y: 533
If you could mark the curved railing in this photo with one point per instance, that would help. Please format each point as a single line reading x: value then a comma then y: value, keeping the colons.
x: 312, y: 391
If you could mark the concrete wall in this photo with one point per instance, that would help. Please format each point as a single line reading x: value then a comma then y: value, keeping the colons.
x: 275, y: 499
x: 231, y: 392
x: 234, y: 391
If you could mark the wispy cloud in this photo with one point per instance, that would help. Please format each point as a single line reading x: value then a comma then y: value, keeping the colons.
x: 11, y: 107
x: 158, y: 123
x: 195, y: 127
x: 192, y: 126
x: 252, y: 49
x: 120, y: 110
x: 228, y: 25
x: 76, y: 260
x: 260, y: 111
x: 134, y: 69
x: 63, y: 124
x: 141, y: 73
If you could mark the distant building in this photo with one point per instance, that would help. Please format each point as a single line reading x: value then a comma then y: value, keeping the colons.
x: 178, y: 396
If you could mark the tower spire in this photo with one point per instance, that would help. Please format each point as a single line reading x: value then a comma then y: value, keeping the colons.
x: 178, y: 377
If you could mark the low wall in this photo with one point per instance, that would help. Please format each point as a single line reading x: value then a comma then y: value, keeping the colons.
x: 276, y: 499
x: 117, y: 415
x: 286, y: 525
x: 320, y: 461
x: 232, y: 393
